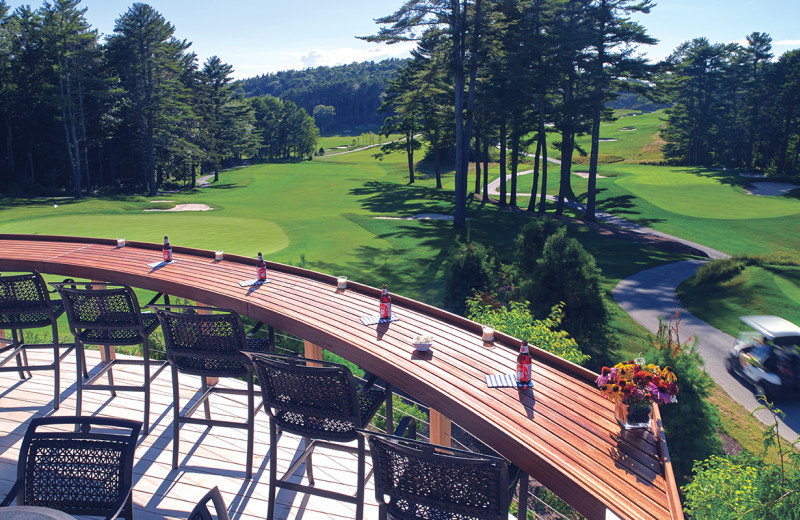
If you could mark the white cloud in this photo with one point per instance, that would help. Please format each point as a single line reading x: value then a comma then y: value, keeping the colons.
x: 345, y: 55
x: 788, y: 42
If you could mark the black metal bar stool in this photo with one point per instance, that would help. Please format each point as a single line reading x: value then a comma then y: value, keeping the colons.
x: 208, y: 342
x: 25, y: 304
x: 321, y: 402
x: 85, y: 470
x: 107, y: 315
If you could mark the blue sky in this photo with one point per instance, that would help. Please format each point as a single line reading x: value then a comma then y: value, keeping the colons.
x: 259, y: 36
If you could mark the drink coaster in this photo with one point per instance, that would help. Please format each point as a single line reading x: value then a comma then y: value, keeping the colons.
x: 504, y: 381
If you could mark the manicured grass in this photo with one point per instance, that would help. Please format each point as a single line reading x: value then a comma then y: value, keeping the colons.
x: 756, y: 290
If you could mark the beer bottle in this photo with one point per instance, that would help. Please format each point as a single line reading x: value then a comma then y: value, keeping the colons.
x: 386, y: 304
x: 261, y: 265
x: 524, y: 366
x: 167, y: 249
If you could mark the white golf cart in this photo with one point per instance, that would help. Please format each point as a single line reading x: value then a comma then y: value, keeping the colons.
x: 769, y: 356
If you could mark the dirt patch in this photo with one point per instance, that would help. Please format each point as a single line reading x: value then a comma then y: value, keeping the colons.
x: 421, y: 216
x: 185, y: 207
x: 770, y: 189
x: 729, y: 444
x: 585, y: 175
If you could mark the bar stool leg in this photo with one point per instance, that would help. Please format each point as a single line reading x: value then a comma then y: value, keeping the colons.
x: 108, y: 357
x: 176, y: 424
x: 309, y: 461
x: 250, y: 424
x: 80, y: 362
x: 273, y: 468
x: 361, y: 484
x: 146, y: 356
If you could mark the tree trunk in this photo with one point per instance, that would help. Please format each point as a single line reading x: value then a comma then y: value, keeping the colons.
x: 515, y: 138
x: 592, y: 188
x: 83, y: 139
x: 502, y: 202
x: 410, y: 155
x: 543, y: 138
x: 567, y: 145
x: 535, y: 184
x: 477, y: 163
x: 486, y: 168
x: 194, y: 175
x: 460, y: 210
x: 437, y: 166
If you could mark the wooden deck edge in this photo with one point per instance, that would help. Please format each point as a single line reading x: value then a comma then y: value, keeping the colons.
x: 673, y: 496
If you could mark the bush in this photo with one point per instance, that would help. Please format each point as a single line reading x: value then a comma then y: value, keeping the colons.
x: 567, y: 273
x: 690, y: 425
x: 516, y: 320
x: 530, y: 243
x: 468, y: 268
x: 718, y: 271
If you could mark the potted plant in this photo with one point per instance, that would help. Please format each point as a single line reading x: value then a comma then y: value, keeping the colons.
x: 633, y: 386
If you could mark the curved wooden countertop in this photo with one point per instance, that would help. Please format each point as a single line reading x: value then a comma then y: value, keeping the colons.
x: 562, y: 433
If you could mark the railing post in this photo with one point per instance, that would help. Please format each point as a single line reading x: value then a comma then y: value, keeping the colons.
x: 440, y: 428
x: 311, y: 350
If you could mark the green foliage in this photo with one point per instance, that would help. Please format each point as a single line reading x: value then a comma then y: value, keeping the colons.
x: 690, y: 424
x: 468, y: 267
x: 530, y: 243
x: 401, y: 408
x: 567, y: 273
x: 718, y: 271
x: 746, y: 486
x: 517, y: 320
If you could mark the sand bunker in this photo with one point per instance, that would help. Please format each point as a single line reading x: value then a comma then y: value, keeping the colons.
x: 627, y: 129
x: 154, y: 201
x: 422, y: 216
x: 770, y: 188
x: 184, y: 207
x: 607, y: 140
x: 585, y: 175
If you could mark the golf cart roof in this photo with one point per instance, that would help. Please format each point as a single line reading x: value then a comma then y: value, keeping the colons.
x: 772, y: 327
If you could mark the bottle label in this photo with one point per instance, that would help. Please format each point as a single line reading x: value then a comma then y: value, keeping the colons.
x: 386, y: 310
x: 523, y: 373
x: 262, y: 274
x: 168, y: 255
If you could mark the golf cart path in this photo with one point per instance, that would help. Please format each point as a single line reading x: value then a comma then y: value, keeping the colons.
x: 650, y: 295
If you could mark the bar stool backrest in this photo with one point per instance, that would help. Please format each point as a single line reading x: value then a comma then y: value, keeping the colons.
x: 205, y: 344
x: 102, y: 313
x: 425, y: 481
x: 308, y: 397
x: 88, y: 472
x: 24, y: 301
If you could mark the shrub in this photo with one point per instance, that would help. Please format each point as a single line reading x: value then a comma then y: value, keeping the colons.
x: 516, y: 320
x: 468, y: 267
x: 718, y: 271
x: 567, y: 273
x: 690, y: 425
x: 530, y: 242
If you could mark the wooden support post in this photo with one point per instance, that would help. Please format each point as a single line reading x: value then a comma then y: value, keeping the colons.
x: 440, y: 428
x: 311, y: 350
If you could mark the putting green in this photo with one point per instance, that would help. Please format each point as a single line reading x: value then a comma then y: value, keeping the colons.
x: 700, y: 193
x: 205, y: 231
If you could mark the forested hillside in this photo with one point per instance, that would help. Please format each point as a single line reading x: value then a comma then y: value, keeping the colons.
x: 353, y: 90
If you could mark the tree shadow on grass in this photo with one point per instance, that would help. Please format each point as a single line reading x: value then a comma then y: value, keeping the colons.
x: 402, y: 200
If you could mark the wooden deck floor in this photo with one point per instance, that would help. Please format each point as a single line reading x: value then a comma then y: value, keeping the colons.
x: 209, y: 456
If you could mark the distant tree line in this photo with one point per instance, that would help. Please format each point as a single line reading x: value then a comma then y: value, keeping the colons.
x: 133, y: 112
x: 515, y: 73
x: 354, y: 91
x: 733, y: 106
